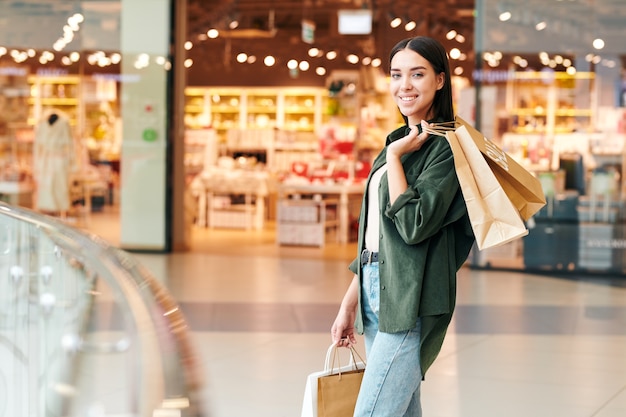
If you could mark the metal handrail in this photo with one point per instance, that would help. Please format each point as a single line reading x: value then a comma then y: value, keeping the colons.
x: 59, y: 283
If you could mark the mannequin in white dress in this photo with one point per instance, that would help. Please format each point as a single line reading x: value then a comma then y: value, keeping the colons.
x: 53, y: 155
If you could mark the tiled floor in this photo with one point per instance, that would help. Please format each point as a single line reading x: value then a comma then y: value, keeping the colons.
x: 520, y: 344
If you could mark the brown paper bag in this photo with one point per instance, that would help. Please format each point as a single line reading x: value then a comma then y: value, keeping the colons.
x: 523, y: 188
x: 494, y: 219
x: 337, y: 392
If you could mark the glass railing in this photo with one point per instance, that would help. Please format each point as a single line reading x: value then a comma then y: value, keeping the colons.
x: 85, y: 330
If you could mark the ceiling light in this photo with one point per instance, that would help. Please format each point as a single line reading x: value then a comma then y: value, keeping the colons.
x: 320, y: 71
x: 304, y: 66
x: 541, y: 26
x: 242, y: 57
x: 394, y: 21
x: 269, y: 61
x: 410, y: 25
x: 213, y: 33
x: 451, y: 34
x: 376, y: 62
x: 331, y: 55
x: 188, y: 45
x: 234, y: 22
x: 460, y: 38
x: 458, y: 71
x: 352, y: 58
x: 292, y: 64
x: 571, y: 70
x: 188, y: 63
x: 313, y: 52
x: 504, y: 16
x: 598, y: 43
x: 455, y: 53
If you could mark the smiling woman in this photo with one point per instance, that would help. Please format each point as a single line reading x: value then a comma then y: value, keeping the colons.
x: 414, y: 235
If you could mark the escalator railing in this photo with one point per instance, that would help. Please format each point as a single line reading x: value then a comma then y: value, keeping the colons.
x: 85, y: 330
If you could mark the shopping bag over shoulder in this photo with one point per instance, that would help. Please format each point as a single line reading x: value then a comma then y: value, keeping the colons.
x: 522, y: 187
x: 313, y: 403
x: 494, y: 219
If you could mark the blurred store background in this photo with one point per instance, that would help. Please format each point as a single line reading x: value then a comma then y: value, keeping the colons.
x: 245, y: 115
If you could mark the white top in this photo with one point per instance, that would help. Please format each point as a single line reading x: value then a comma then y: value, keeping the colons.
x: 372, y: 227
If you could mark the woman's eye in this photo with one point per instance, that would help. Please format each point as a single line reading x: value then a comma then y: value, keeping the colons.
x: 395, y: 76
x: 418, y: 75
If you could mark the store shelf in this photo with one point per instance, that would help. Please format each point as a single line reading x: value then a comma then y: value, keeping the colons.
x: 62, y: 92
x: 550, y: 102
x: 298, y: 109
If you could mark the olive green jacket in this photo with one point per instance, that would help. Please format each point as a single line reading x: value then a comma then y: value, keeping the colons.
x: 425, y: 237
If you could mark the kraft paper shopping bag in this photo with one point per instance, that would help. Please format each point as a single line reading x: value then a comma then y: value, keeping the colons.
x: 494, y: 219
x: 521, y: 186
x: 319, y: 400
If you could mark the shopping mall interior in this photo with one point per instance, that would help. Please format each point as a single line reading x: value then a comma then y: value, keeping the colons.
x: 267, y: 115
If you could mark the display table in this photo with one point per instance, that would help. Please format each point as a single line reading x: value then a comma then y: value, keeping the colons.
x: 231, y: 198
x: 340, y: 192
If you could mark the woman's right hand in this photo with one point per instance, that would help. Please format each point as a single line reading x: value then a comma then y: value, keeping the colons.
x: 410, y: 143
x: 342, y: 331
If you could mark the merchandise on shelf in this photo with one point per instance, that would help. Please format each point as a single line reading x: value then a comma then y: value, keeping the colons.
x: 550, y: 102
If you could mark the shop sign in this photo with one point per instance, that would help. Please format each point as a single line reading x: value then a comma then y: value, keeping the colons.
x: 308, y: 31
x: 13, y: 71
x: 606, y: 243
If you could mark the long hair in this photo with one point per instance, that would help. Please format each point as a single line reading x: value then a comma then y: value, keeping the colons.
x: 435, y: 53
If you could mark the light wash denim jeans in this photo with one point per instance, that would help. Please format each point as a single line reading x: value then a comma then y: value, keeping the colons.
x: 391, y: 383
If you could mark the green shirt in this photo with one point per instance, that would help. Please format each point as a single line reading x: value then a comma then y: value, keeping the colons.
x: 425, y: 237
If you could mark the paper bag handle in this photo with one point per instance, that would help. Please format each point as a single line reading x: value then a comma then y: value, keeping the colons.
x: 332, y: 350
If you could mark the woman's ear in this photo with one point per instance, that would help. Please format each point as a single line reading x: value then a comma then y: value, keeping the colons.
x: 441, y: 80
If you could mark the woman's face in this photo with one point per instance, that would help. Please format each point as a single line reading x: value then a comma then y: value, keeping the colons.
x: 413, y: 85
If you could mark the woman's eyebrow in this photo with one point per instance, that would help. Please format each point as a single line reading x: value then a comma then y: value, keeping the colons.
x: 410, y: 69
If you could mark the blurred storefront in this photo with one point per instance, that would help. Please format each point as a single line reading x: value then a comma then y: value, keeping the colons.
x: 244, y: 115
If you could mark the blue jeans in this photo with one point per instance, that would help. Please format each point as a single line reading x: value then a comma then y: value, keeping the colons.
x: 391, y: 383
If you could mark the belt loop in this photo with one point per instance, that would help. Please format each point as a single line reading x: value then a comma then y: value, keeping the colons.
x: 369, y: 257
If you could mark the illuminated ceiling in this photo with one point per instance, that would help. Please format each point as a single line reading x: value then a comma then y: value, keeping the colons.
x: 274, y: 27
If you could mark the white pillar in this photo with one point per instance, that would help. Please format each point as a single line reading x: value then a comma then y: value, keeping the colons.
x: 145, y: 32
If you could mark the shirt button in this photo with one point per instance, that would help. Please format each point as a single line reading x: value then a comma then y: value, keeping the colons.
x: 382, y: 288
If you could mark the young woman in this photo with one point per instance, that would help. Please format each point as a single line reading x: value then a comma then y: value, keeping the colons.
x: 414, y: 235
